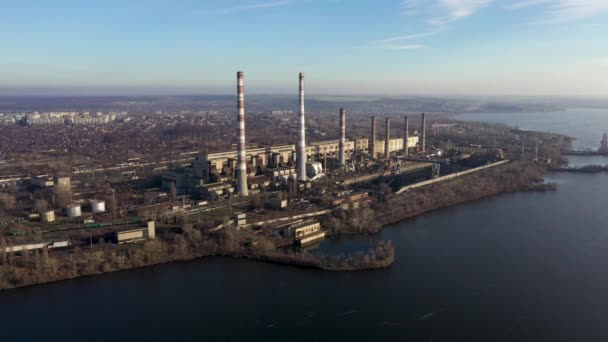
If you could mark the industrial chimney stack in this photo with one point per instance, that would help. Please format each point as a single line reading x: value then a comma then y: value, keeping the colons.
x: 406, y: 135
x: 301, y: 149
x: 423, y: 130
x: 372, y: 143
x: 241, y: 172
x: 342, y: 143
x: 387, y: 141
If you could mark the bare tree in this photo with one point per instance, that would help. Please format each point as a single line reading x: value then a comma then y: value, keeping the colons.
x: 41, y: 205
x: 7, y: 201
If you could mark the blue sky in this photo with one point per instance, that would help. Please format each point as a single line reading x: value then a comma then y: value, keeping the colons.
x: 438, y: 47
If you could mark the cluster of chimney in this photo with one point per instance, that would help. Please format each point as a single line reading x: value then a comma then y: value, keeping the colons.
x: 241, y: 173
x: 372, y: 143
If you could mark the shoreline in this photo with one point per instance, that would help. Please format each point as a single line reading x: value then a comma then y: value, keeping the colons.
x: 194, y: 245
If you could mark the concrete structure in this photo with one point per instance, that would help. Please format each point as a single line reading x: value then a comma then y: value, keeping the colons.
x: 240, y: 219
x: 449, y: 177
x: 43, y: 182
x: 342, y: 143
x: 62, y: 183
x: 499, y: 153
x: 372, y: 146
x: 151, y: 229
x: 406, y: 134
x: 40, y: 245
x: 73, y: 210
x: 241, y: 170
x: 331, y: 148
x: 48, y: 216
x: 387, y: 138
x: 216, y: 190
x: 98, y: 206
x: 301, y: 153
x: 423, y: 133
x: 276, y: 203
x: 303, y: 232
x: 177, y: 177
x: 136, y: 235
x: 210, y: 166
x: 216, y: 167
x: 395, y: 144
x: 282, y: 176
x: 604, y: 143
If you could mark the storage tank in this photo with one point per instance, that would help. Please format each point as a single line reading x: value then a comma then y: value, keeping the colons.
x: 98, y: 206
x: 73, y: 210
x: 314, y: 169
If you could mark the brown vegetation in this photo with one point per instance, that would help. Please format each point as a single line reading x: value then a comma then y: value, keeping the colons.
x: 516, y: 176
x: 37, y: 267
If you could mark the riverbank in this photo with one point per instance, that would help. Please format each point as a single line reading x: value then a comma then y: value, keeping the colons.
x: 582, y: 169
x: 381, y: 256
x: 41, y: 267
x: 510, y: 177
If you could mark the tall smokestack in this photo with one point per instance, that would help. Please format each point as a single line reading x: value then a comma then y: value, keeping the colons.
x: 341, y: 145
x: 423, y: 129
x: 241, y: 163
x: 387, y: 141
x: 406, y: 135
x: 372, y: 143
x: 301, y: 153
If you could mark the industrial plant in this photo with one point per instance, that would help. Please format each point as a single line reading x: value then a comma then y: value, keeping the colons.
x: 247, y: 192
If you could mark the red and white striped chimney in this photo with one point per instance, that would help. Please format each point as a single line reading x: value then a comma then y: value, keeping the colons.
x: 342, y: 143
x: 301, y: 147
x: 241, y: 162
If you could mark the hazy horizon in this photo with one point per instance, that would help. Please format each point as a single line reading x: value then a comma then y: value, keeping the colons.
x: 439, y: 47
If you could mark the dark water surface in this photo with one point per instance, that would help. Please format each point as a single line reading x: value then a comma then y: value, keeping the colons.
x: 529, y: 266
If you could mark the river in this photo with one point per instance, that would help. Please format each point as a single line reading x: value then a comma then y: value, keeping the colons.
x: 524, y: 266
x: 585, y: 124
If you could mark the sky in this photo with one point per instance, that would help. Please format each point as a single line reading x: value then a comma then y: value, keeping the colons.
x: 351, y: 47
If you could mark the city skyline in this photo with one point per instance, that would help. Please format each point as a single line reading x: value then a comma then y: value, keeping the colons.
x: 443, y: 47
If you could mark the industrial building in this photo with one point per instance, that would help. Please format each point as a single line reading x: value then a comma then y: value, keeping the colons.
x: 38, y: 245
x: 209, y: 170
x: 136, y: 235
x: 247, y: 168
x: 302, y: 232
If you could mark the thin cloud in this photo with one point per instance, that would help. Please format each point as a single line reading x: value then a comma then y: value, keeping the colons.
x: 406, y: 47
x: 407, y: 37
x: 570, y: 10
x: 440, y: 12
x: 254, y: 6
x: 526, y: 4
x: 457, y: 9
x: 561, y: 11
